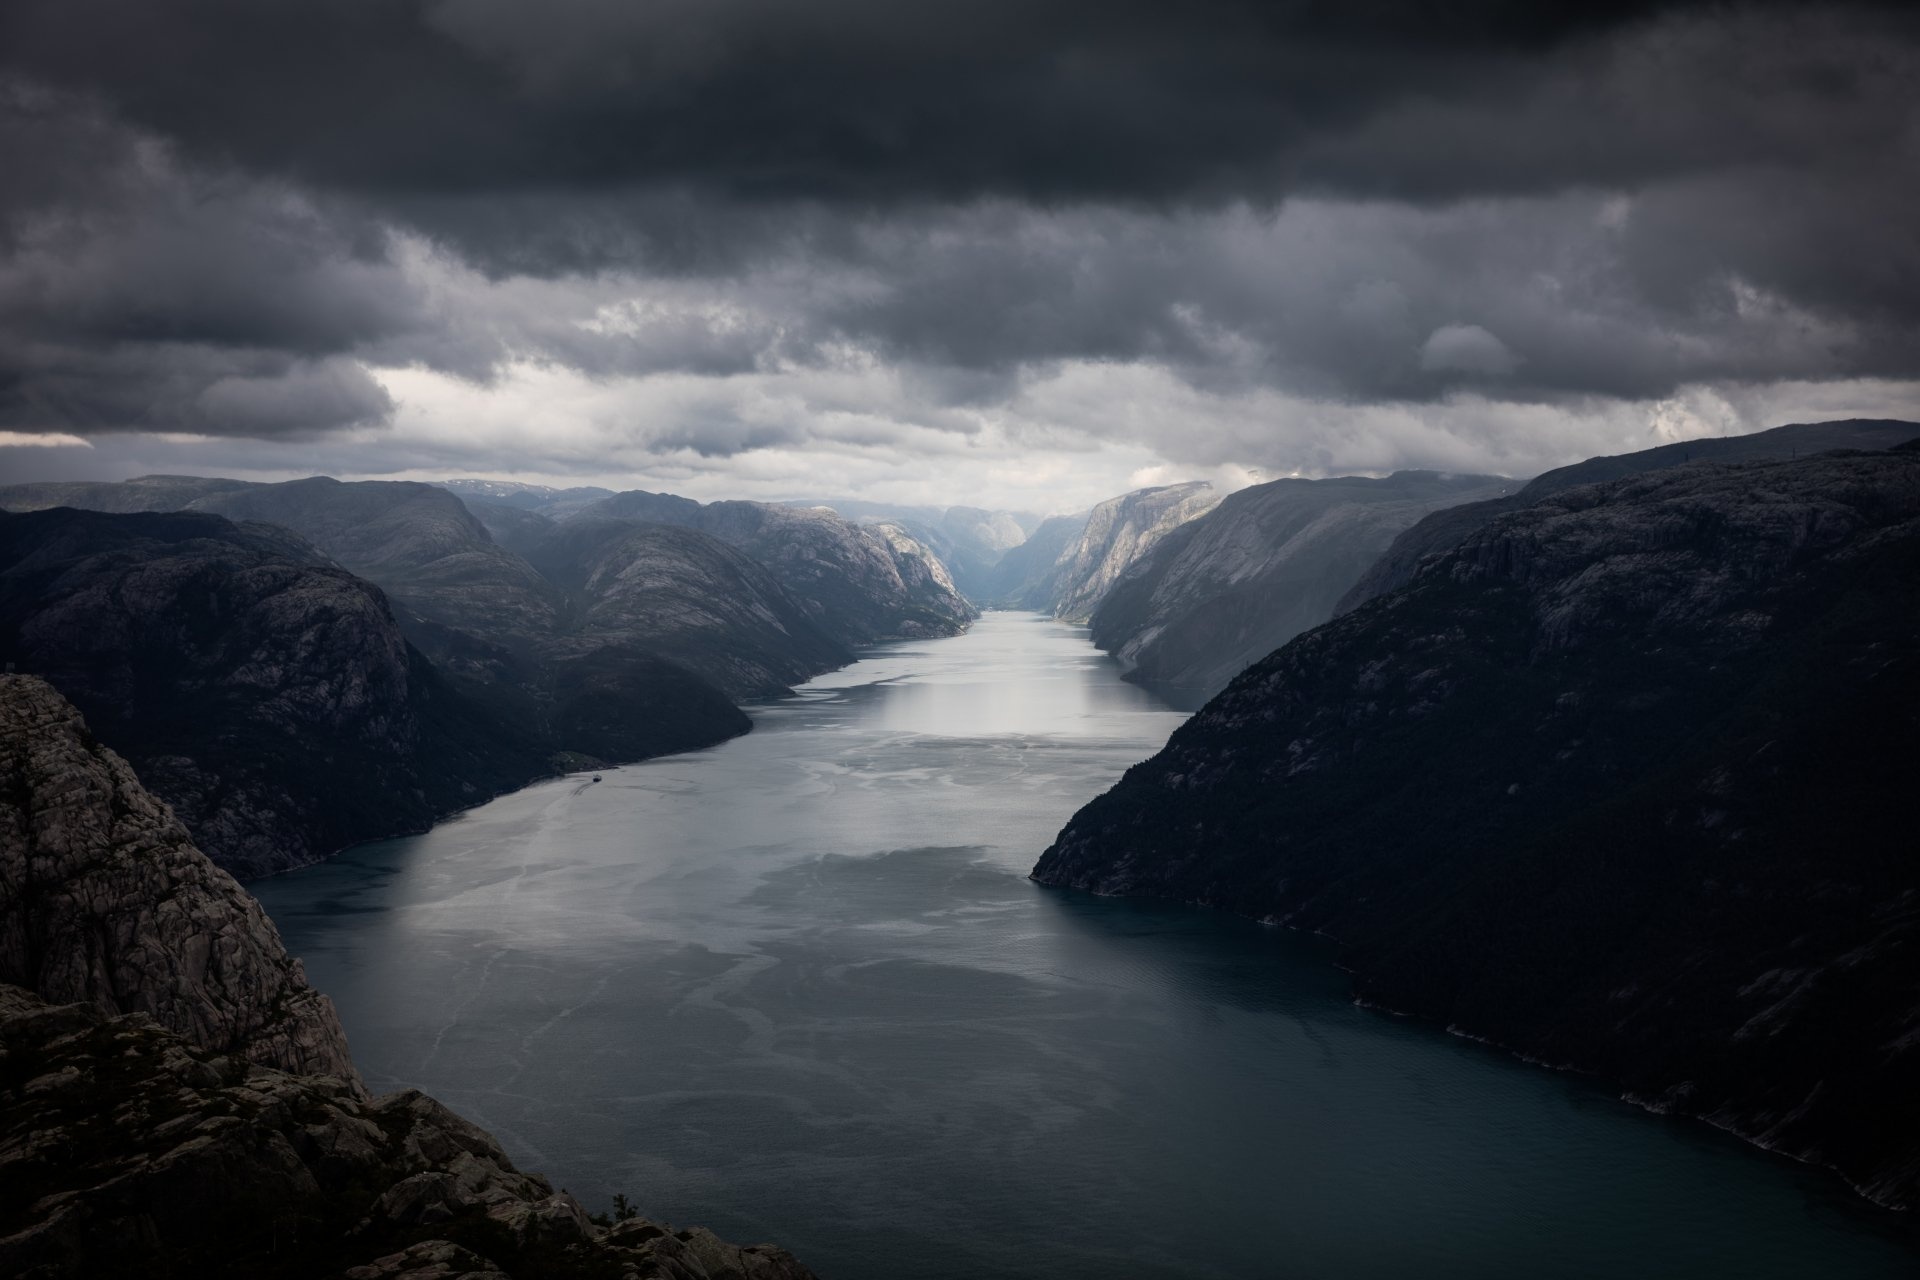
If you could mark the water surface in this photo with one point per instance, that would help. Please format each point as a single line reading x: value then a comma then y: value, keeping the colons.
x: 797, y: 988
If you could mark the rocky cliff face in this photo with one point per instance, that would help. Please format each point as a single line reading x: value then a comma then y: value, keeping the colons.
x: 1117, y: 533
x: 1619, y: 781
x: 269, y: 697
x: 175, y: 1101
x: 1227, y: 588
x: 859, y: 583
x: 126, y: 1150
x: 1446, y: 528
x: 104, y: 899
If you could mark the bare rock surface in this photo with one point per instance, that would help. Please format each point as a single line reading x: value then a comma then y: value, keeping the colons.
x: 124, y: 1149
x: 176, y: 1101
x: 1230, y: 586
x: 1116, y: 533
x: 103, y: 898
x: 1619, y: 781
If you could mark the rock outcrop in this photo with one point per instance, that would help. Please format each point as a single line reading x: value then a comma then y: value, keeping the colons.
x: 176, y: 1101
x: 1117, y: 533
x: 1619, y: 781
x: 104, y: 899
x: 1229, y: 587
x: 126, y: 1150
x: 1446, y: 528
x: 266, y: 694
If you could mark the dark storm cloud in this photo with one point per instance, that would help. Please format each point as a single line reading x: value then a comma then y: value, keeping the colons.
x: 134, y: 293
x: 217, y: 212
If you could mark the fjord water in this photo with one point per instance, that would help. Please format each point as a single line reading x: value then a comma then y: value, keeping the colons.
x: 798, y: 988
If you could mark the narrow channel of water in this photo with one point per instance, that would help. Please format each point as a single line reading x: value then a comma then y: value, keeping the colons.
x: 798, y: 988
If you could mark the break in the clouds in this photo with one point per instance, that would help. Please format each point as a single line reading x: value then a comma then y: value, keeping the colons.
x: 1025, y: 253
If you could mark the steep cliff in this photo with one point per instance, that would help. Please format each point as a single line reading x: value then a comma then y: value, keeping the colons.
x: 1444, y: 529
x: 176, y: 1102
x: 269, y: 697
x: 125, y: 1150
x: 1233, y: 585
x: 1117, y: 533
x: 104, y: 899
x: 1618, y: 781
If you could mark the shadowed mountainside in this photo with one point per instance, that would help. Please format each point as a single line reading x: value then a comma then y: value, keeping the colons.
x: 268, y: 695
x: 1230, y: 586
x: 1618, y: 781
x: 1445, y: 528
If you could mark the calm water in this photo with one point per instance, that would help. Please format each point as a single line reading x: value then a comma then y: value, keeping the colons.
x: 798, y: 988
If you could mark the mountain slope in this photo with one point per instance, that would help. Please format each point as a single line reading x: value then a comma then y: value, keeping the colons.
x: 1117, y: 533
x: 271, y: 700
x: 1619, y: 781
x: 1446, y: 528
x: 859, y: 583
x: 690, y: 599
x: 1234, y: 584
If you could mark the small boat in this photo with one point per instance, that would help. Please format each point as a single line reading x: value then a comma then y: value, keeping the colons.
x: 596, y: 777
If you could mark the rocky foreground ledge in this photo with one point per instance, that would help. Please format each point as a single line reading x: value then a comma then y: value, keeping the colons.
x: 175, y: 1100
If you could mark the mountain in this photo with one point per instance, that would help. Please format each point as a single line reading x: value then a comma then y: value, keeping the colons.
x: 859, y: 583
x: 270, y: 698
x: 969, y: 541
x: 689, y: 598
x: 1619, y: 781
x: 1232, y: 585
x: 175, y: 1101
x: 1445, y: 528
x: 1117, y: 532
x: 106, y: 901
x: 583, y: 676
x: 1023, y: 576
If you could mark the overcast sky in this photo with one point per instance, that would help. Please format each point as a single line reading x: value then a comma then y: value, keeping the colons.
x: 1024, y: 253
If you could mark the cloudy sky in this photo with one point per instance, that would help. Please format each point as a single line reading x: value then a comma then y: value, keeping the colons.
x: 1025, y: 253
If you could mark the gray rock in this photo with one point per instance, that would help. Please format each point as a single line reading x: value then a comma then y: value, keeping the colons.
x: 1116, y: 533
x: 104, y: 898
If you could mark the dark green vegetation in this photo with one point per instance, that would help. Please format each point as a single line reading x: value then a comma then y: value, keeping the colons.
x: 1619, y: 781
